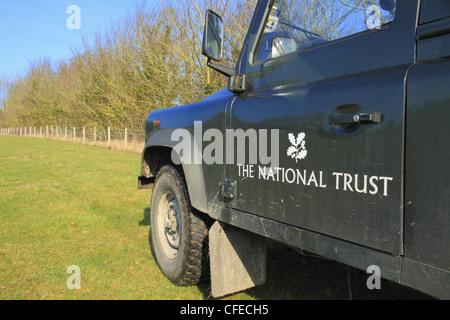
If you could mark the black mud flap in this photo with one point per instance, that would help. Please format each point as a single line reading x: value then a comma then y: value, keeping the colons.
x: 237, y: 259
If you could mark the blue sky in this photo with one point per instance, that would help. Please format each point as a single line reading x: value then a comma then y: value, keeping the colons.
x: 32, y: 29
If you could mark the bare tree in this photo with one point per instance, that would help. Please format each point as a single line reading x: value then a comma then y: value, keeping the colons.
x: 149, y: 59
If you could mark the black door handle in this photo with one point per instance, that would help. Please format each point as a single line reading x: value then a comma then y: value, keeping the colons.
x: 362, y: 118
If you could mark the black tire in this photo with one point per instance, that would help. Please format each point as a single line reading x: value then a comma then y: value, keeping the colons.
x: 177, y: 233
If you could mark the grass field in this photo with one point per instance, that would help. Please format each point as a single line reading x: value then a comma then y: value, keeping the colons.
x: 64, y: 204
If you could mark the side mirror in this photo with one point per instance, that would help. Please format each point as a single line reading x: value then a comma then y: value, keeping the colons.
x: 212, y: 46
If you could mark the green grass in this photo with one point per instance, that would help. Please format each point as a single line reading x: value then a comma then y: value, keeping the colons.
x: 64, y: 204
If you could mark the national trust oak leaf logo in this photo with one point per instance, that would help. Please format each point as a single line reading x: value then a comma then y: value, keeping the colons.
x: 297, y: 150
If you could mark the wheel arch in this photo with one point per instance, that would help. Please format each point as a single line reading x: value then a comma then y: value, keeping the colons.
x: 159, y: 151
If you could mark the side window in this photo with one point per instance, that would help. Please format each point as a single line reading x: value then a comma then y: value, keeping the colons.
x: 294, y: 25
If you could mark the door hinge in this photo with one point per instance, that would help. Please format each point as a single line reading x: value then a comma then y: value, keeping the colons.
x: 238, y: 83
x: 229, y: 188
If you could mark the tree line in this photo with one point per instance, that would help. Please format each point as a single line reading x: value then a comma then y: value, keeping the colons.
x: 148, y: 59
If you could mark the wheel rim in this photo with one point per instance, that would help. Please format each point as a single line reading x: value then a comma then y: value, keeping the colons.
x: 169, y: 224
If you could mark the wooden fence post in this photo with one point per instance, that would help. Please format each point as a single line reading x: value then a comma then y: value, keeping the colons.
x: 48, y: 131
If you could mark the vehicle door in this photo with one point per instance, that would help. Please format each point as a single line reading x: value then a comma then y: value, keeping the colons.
x: 326, y: 96
x: 427, y: 219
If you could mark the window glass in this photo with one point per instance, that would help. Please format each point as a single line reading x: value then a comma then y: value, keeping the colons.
x: 294, y: 25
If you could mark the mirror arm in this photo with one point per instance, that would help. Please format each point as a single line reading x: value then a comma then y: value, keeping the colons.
x: 223, y: 70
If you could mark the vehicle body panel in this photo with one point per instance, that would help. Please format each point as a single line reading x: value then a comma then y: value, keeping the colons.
x: 298, y: 96
x: 427, y: 194
x: 401, y: 71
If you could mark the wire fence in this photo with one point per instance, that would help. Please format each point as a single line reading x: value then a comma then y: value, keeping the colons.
x: 132, y: 141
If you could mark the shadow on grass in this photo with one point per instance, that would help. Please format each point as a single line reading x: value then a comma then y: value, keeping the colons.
x: 146, y: 219
x: 293, y: 276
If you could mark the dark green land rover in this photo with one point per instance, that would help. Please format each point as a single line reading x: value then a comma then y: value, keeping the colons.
x: 332, y: 137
